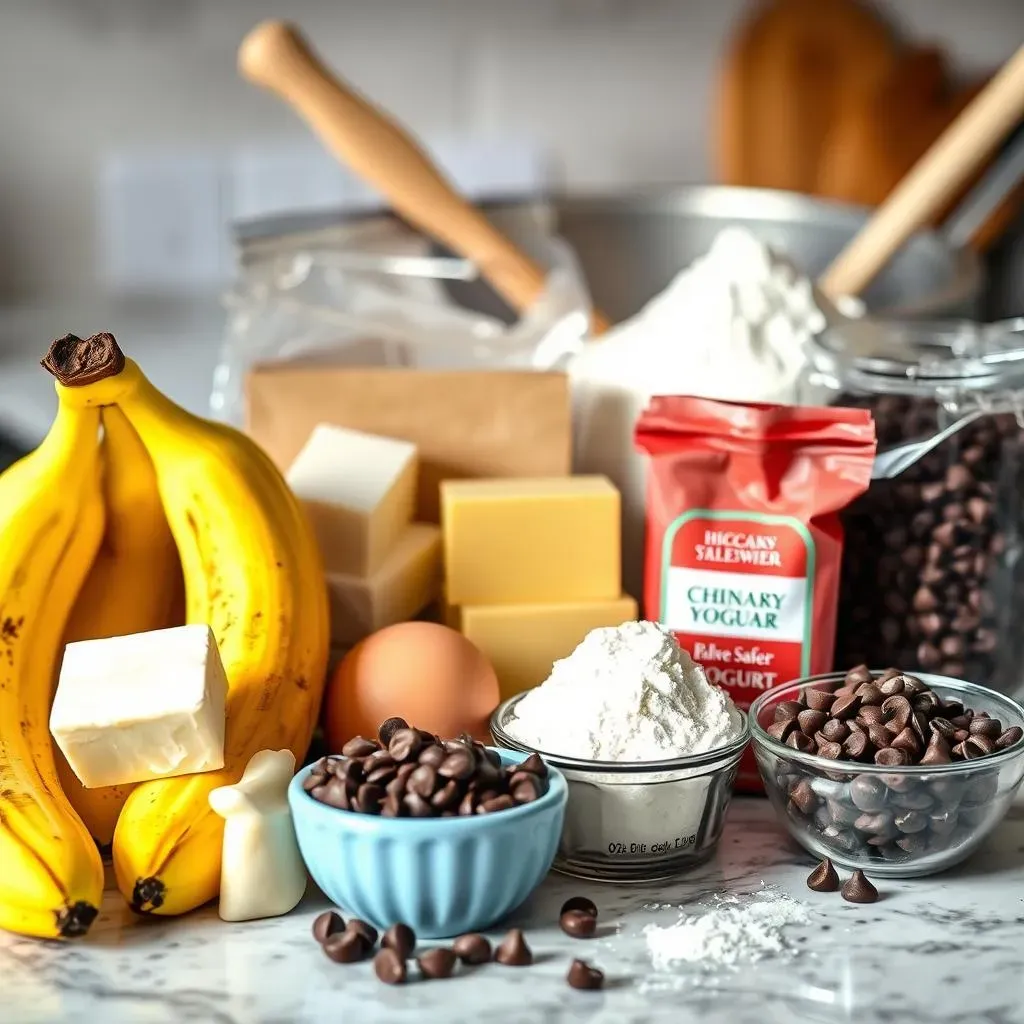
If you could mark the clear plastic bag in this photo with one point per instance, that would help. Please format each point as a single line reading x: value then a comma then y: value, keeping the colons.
x: 374, y: 295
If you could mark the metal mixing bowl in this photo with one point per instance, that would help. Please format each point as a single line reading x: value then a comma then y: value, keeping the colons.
x: 631, y: 246
x: 637, y: 821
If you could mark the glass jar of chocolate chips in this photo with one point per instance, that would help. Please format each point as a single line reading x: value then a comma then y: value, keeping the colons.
x: 932, y: 571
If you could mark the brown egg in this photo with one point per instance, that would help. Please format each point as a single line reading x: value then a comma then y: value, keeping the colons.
x: 428, y: 674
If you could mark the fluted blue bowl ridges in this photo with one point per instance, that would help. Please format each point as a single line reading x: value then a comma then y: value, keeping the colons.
x: 441, y: 876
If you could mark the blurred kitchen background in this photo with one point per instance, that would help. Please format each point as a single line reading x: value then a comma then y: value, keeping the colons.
x: 130, y: 143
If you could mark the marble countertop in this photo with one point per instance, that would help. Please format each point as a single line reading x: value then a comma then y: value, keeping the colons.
x: 946, y: 949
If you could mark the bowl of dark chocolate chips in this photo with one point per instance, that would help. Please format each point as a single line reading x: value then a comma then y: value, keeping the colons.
x: 900, y: 775
x: 446, y: 835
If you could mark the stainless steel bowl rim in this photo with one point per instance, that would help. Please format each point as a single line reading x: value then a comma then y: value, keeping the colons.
x: 706, y: 759
x: 760, y: 738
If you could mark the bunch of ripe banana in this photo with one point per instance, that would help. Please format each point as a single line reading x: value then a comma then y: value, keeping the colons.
x: 157, y: 519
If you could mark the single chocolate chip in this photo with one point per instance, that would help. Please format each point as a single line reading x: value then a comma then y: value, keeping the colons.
x: 383, y: 775
x: 513, y: 950
x: 582, y: 976
x: 1010, y: 737
x: 978, y: 746
x: 907, y: 740
x: 787, y: 710
x: 535, y: 765
x: 911, y: 821
x: 878, y: 824
x: 579, y: 903
x: 943, y: 726
x: 327, y: 924
x: 870, y: 694
x: 870, y: 715
x: 578, y: 924
x: 472, y: 948
x: 835, y: 731
x: 803, y: 796
x: 368, y: 799
x: 811, y: 721
x: 457, y: 765
x: 358, y: 747
x: 841, y: 813
x: 389, y: 967
x: 780, y: 731
x: 891, y: 687
x: 417, y: 806
x: 401, y: 938
x: 447, y: 797
x: 364, y: 928
x: 896, y: 712
x: 467, y: 804
x: 868, y: 793
x: 892, y: 757
x: 405, y: 744
x: 819, y: 700
x: 913, y: 844
x: 832, y: 751
x: 501, y: 802
x: 846, y: 707
x: 437, y: 963
x: 422, y: 781
x: 389, y: 727
x: 348, y: 947
x: 857, y: 675
x: 823, y: 878
x: 855, y: 746
x: 938, y: 751
x: 879, y: 736
x: 798, y: 741
x: 989, y: 727
x: 857, y: 889
x: 432, y: 755
x: 334, y: 794
x: 524, y: 788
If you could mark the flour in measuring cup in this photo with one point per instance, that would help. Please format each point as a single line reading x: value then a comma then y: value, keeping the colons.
x: 627, y: 693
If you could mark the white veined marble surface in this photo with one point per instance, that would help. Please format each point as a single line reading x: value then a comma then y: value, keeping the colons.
x: 947, y: 949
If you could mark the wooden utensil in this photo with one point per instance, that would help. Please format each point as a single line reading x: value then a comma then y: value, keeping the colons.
x: 934, y: 179
x: 274, y: 55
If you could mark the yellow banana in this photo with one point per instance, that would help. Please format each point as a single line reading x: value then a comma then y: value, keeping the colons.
x: 253, y: 574
x: 51, y: 523
x: 135, y: 585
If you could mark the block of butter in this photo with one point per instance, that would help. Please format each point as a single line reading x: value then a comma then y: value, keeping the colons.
x: 359, y: 491
x: 143, y: 706
x: 531, y: 540
x: 523, y: 641
x: 408, y: 581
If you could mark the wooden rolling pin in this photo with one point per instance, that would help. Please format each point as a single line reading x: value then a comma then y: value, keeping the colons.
x: 934, y: 179
x: 274, y: 55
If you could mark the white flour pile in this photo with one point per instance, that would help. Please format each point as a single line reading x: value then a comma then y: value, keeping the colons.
x: 731, y: 932
x: 733, y: 326
x: 627, y: 693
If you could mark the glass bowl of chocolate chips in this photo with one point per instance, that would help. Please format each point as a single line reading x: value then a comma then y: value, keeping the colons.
x: 901, y: 775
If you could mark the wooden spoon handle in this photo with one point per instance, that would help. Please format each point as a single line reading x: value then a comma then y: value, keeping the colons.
x: 274, y: 55
x: 933, y: 180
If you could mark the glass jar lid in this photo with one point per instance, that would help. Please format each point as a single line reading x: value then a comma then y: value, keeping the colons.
x: 943, y: 359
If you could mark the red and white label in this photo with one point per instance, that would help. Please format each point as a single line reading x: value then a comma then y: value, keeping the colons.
x: 738, y: 594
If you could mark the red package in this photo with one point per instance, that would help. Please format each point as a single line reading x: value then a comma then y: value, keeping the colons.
x: 744, y: 543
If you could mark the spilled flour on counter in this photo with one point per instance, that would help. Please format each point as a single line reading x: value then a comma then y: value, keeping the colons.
x: 731, y: 931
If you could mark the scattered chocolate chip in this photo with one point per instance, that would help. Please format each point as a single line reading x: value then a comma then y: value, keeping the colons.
x: 472, y: 948
x: 401, y: 938
x: 823, y: 878
x: 348, y: 947
x: 579, y: 903
x: 582, y: 976
x: 857, y: 889
x: 578, y: 923
x: 437, y: 963
x: 389, y: 967
x: 363, y: 928
x: 327, y: 924
x: 513, y: 950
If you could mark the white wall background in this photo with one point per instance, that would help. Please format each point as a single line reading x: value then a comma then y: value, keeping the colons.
x: 618, y: 90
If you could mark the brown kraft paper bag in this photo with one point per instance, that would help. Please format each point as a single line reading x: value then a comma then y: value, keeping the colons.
x: 467, y: 423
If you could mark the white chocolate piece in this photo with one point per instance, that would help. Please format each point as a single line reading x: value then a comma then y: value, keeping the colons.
x: 143, y: 706
x: 262, y: 871
x: 359, y: 491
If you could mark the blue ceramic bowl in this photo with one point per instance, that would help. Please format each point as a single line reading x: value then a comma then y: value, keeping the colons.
x: 441, y: 876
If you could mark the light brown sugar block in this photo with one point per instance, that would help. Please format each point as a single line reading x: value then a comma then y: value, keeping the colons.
x: 531, y: 540
x: 359, y: 491
x: 523, y: 641
x: 408, y: 581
